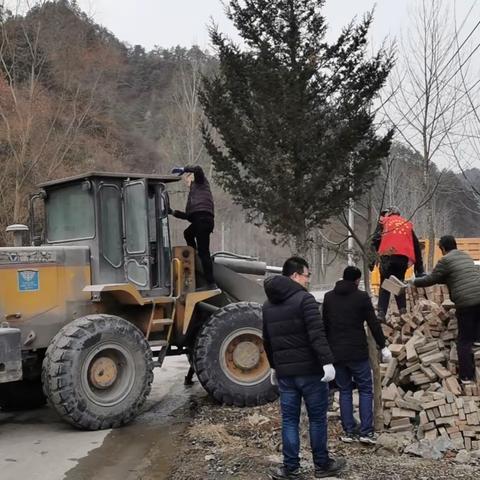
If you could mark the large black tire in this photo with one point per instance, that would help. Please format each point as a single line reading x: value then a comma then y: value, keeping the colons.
x: 22, y: 395
x: 97, y: 372
x: 248, y: 385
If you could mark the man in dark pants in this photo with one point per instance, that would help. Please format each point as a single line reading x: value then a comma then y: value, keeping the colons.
x: 398, y: 247
x: 457, y: 270
x: 301, y: 361
x: 345, y: 311
x: 201, y: 215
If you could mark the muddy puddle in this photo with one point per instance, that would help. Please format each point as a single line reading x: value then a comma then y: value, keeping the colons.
x: 146, y: 449
x: 131, y: 453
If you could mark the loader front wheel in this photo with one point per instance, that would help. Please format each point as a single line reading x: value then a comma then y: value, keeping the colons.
x: 97, y: 372
x: 229, y: 357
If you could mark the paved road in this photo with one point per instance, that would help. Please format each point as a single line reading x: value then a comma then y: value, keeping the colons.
x: 36, y: 445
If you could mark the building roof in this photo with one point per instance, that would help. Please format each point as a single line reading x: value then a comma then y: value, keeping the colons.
x: 126, y: 176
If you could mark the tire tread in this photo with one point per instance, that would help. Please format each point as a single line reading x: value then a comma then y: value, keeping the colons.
x: 203, y: 367
x: 55, y: 372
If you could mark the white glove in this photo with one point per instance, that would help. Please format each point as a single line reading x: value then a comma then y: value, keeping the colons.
x: 329, y: 373
x: 386, y: 355
x: 273, y: 377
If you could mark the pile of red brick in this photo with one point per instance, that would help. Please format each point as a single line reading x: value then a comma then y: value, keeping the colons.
x: 421, y: 392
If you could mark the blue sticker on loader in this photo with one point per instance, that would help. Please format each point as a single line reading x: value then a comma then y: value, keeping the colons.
x: 28, y: 280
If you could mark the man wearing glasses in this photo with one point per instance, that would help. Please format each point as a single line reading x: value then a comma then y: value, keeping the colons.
x: 301, y: 361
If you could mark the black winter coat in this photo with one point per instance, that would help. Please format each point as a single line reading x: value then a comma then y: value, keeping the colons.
x: 345, y: 311
x: 293, y: 330
x: 200, y: 196
x: 200, y: 199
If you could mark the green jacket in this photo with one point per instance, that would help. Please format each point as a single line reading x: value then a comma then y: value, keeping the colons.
x: 462, y: 277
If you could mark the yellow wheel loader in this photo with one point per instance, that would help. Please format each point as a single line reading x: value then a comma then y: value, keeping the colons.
x: 100, y: 297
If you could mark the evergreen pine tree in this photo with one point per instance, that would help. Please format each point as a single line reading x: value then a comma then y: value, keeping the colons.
x: 295, y: 137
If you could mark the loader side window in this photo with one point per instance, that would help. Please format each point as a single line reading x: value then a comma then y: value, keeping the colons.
x: 136, y: 218
x: 70, y: 214
x: 111, y: 224
x: 166, y: 247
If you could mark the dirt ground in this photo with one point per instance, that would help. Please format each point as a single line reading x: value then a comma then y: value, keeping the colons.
x: 234, y: 443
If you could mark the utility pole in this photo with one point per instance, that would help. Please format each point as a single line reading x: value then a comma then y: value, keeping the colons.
x: 351, y: 221
x: 223, y: 236
x: 351, y: 225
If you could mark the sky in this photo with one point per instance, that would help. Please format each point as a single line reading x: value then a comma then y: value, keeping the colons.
x: 168, y: 23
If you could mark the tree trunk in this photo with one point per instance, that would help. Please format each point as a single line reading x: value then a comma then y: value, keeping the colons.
x: 301, y: 245
x: 377, y: 383
x: 372, y: 347
x: 431, y: 235
x: 426, y: 185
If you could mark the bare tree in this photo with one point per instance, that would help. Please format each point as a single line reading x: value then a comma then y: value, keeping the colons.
x: 48, y: 99
x: 465, y: 148
x: 188, y: 85
x: 425, y: 98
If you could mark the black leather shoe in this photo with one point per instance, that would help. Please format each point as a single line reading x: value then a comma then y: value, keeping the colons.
x: 281, y: 473
x: 333, y: 466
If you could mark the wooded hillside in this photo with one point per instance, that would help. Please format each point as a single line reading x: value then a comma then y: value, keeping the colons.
x: 73, y: 98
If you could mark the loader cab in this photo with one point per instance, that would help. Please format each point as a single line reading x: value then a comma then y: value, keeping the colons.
x: 123, y: 219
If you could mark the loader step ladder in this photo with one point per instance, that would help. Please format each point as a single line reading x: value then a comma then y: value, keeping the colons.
x: 162, y: 321
x: 159, y: 350
x: 157, y: 344
x: 159, y: 320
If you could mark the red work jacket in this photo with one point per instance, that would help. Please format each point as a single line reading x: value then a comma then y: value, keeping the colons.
x: 397, y: 237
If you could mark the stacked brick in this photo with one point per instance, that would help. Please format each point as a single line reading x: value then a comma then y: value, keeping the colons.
x: 421, y: 392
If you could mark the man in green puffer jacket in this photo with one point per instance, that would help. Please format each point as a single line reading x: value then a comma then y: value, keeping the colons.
x: 457, y: 270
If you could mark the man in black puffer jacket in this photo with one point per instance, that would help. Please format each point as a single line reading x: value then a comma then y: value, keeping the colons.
x: 201, y: 215
x: 301, y: 361
x: 345, y: 311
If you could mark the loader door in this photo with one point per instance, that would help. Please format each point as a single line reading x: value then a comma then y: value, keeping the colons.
x: 136, y: 242
x: 159, y: 239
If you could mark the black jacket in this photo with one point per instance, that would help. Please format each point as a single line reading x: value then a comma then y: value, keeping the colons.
x: 293, y: 330
x: 200, y: 199
x: 345, y: 310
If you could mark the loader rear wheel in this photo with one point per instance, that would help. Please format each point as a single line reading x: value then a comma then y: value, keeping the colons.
x: 97, y: 372
x: 229, y: 357
x: 21, y: 395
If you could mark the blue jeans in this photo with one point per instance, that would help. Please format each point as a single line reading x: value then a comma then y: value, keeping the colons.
x: 315, y: 394
x: 360, y: 373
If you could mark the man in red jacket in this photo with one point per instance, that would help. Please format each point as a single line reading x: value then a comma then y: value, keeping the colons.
x: 398, y: 248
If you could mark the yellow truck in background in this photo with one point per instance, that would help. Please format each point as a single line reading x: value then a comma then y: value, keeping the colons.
x: 469, y: 245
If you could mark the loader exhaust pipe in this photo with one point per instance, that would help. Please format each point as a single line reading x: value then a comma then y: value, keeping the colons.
x: 244, y: 264
x: 18, y: 231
